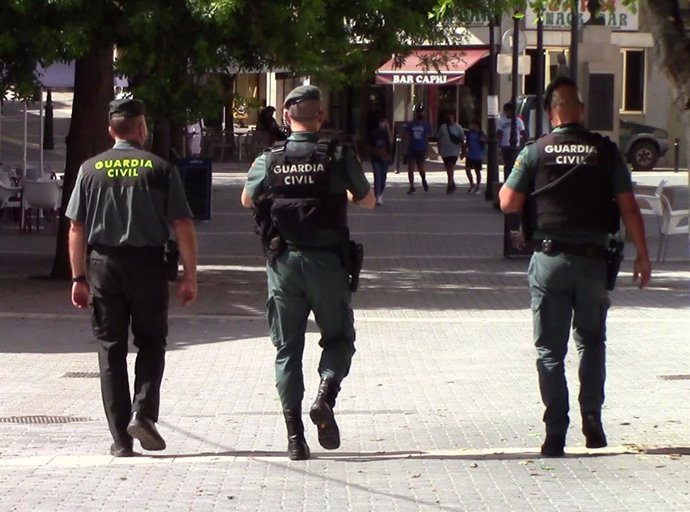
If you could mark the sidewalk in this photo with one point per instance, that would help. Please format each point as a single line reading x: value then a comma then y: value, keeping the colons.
x: 441, y: 410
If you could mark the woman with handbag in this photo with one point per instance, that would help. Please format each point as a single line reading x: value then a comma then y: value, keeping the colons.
x: 451, y: 145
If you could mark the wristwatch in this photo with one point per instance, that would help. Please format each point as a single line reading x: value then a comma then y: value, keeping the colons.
x: 79, y: 279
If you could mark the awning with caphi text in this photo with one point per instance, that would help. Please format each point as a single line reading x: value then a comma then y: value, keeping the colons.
x: 430, y: 67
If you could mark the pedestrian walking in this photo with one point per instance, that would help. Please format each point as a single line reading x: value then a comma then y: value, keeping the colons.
x: 573, y: 187
x: 299, y: 190
x: 417, y: 133
x: 508, y: 150
x: 451, y: 146
x: 123, y: 204
x: 475, y: 141
x: 381, y: 142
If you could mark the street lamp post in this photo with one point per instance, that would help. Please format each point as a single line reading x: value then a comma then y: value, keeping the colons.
x: 492, y: 150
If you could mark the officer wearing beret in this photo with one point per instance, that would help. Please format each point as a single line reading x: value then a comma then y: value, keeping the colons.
x: 123, y: 204
x: 309, y: 183
x: 575, y: 186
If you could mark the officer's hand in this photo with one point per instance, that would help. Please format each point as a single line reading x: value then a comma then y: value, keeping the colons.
x: 642, y: 270
x: 80, y: 295
x: 187, y: 291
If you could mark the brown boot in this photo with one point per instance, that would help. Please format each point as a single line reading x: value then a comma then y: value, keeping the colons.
x: 297, y: 445
x: 321, y: 414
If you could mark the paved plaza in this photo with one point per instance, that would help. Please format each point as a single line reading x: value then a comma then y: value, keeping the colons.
x: 440, y: 412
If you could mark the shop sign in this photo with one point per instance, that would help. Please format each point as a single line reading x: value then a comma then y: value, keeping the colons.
x: 616, y: 16
x: 425, y: 79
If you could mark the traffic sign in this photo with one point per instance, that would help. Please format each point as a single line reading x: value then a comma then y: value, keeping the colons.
x: 505, y: 64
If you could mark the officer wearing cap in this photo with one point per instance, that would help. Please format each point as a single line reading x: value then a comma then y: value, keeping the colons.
x: 123, y: 204
x: 309, y: 183
x: 575, y: 186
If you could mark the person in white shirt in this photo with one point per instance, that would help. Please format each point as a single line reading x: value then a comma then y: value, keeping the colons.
x: 508, y: 151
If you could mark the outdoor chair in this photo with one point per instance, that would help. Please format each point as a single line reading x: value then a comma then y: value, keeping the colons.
x: 651, y: 204
x: 673, y: 222
x: 9, y: 194
x: 43, y: 196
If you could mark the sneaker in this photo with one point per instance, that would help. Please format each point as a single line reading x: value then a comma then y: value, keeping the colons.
x: 450, y: 188
x: 410, y: 191
x: 378, y: 201
x: 471, y: 189
x: 425, y: 185
x: 476, y: 190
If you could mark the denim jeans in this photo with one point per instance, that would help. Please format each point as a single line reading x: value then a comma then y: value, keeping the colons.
x: 380, y: 168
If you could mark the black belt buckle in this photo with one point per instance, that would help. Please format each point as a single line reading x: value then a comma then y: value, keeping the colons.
x: 546, y: 246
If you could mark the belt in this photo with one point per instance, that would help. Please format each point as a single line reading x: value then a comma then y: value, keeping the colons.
x: 148, y: 252
x: 328, y: 248
x: 548, y: 246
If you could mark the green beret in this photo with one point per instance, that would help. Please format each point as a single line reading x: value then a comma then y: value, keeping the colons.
x: 127, y: 107
x: 302, y: 93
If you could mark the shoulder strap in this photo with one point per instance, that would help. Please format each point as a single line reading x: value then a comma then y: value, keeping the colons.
x: 572, y: 170
x: 278, y: 147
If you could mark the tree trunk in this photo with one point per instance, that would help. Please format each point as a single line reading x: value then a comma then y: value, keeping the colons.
x: 672, y: 46
x: 161, y: 138
x: 88, y: 134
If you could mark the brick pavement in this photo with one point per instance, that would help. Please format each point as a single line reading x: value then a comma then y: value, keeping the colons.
x: 441, y: 410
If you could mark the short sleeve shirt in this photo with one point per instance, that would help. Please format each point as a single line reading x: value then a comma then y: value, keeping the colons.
x: 446, y: 147
x: 127, y: 196
x: 347, y: 175
x: 504, y: 124
x: 524, y: 172
x: 418, y: 132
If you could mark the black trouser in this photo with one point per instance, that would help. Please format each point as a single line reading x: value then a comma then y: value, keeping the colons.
x: 128, y: 284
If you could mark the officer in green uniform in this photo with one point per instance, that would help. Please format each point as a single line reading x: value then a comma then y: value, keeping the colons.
x: 309, y: 183
x: 571, y: 182
x: 121, y: 209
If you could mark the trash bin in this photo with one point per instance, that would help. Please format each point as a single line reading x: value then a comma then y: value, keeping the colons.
x: 196, y: 179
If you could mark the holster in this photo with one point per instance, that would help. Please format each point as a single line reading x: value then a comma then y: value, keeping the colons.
x: 613, y: 262
x: 272, y: 242
x: 352, y: 257
x: 171, y: 259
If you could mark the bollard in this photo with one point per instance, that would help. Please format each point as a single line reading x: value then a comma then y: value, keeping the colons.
x: 676, y: 154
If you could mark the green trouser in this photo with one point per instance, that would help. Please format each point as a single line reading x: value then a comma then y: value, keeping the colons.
x: 300, y: 281
x: 565, y: 287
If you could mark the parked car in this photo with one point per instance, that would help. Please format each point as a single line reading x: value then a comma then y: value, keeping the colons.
x: 642, y: 145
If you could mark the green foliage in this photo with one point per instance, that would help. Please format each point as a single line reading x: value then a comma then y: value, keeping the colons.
x: 175, y: 52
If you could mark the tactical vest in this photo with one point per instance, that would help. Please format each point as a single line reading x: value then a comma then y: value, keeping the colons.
x: 582, y: 200
x: 299, y: 185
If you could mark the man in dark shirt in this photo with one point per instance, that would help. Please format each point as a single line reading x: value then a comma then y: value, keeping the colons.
x: 121, y: 209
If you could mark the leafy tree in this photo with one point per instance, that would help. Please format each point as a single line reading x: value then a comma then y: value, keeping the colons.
x: 181, y: 55
x: 172, y: 49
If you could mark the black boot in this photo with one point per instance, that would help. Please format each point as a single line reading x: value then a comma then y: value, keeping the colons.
x: 593, y: 430
x: 321, y: 414
x: 297, y: 445
x: 553, y: 446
